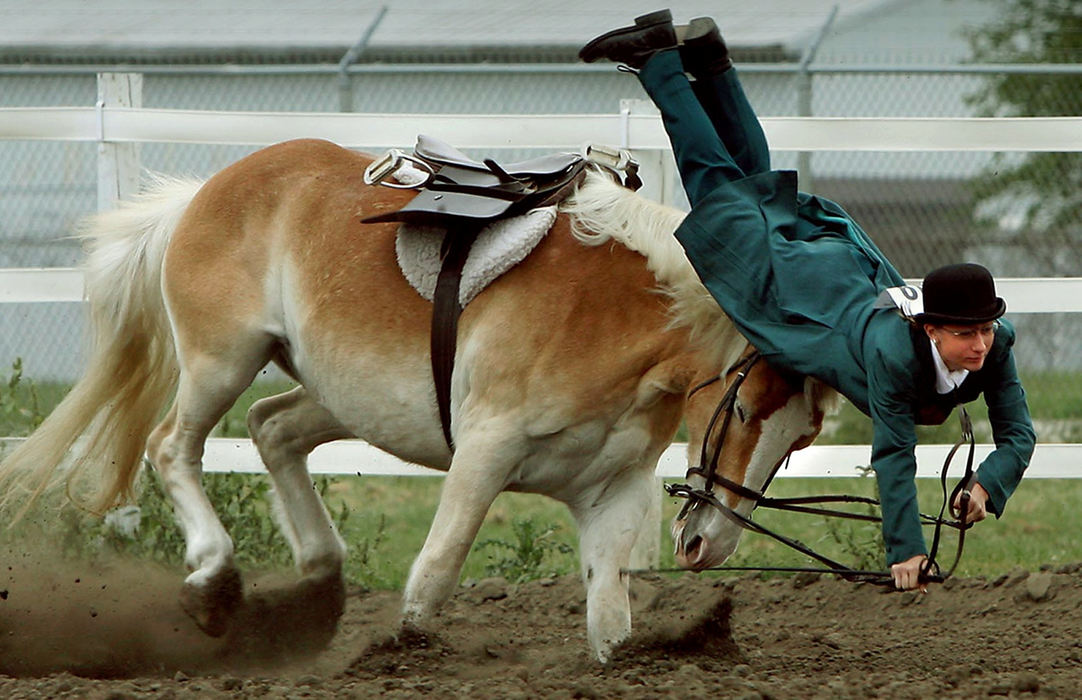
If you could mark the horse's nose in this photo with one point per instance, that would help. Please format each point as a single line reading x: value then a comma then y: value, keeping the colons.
x: 692, y: 554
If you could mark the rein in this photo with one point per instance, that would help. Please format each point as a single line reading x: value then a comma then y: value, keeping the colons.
x: 707, y: 468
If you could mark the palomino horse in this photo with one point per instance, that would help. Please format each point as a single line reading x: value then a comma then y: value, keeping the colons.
x: 571, y: 377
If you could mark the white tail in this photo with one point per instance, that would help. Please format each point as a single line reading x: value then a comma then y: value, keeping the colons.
x: 132, y: 368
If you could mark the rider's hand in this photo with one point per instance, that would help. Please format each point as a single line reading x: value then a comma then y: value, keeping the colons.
x: 978, y: 499
x: 907, y: 574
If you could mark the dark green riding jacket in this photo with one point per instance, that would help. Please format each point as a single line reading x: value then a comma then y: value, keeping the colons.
x: 800, y: 279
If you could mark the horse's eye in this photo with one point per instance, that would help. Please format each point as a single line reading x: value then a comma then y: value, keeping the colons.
x: 739, y: 408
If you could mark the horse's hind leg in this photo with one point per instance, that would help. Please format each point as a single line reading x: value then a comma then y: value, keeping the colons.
x: 207, y: 387
x: 609, y: 525
x: 285, y: 428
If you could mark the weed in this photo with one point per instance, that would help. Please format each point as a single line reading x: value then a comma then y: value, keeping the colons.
x: 149, y: 529
x: 20, y: 407
x: 860, y: 541
x: 523, y: 559
x: 363, y: 565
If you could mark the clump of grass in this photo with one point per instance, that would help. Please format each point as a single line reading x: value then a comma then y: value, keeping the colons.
x: 524, y: 558
x: 860, y: 541
x: 148, y: 529
x: 20, y: 406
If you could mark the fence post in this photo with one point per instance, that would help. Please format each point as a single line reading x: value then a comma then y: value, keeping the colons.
x: 657, y: 167
x: 118, y: 163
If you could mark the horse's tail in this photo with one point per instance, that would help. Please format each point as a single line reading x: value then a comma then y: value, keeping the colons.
x: 132, y: 368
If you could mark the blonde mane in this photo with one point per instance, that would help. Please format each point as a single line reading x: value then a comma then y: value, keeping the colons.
x: 601, y: 210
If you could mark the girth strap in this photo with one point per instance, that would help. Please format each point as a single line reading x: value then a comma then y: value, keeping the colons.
x: 445, y: 312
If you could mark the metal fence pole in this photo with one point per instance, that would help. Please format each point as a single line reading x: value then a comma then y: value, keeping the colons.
x: 345, y: 85
x: 804, y: 98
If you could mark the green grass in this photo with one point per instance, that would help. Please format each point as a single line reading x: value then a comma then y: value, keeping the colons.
x: 1039, y: 527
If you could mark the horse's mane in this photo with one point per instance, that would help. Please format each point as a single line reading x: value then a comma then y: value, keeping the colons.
x: 602, y: 210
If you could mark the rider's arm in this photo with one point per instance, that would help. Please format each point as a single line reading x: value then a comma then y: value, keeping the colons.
x: 1012, y: 429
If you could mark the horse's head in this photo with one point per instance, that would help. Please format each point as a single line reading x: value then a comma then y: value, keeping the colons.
x: 755, y: 415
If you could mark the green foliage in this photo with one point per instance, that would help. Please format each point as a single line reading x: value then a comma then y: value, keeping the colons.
x: 523, y: 559
x: 20, y: 406
x: 860, y: 541
x: 366, y: 562
x: 1042, y: 192
x: 240, y: 500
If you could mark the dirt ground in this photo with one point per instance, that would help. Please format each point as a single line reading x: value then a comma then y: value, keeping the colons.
x: 117, y: 632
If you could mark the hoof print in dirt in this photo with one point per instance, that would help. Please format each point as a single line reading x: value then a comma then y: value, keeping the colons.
x: 409, y: 651
x: 411, y: 637
x: 213, y: 604
x: 706, y: 637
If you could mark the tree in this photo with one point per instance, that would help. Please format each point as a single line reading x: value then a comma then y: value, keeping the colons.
x: 1036, y: 198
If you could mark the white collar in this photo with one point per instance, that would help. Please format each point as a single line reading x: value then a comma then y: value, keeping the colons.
x: 946, y: 381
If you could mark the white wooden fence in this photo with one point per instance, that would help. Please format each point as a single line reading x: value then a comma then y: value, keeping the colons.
x: 117, y: 124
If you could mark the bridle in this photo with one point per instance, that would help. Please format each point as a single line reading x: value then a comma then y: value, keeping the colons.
x: 708, y: 465
x: 707, y: 468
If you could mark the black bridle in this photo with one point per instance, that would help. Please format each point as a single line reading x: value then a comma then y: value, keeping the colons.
x: 707, y: 468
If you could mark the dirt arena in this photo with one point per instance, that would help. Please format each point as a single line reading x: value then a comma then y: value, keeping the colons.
x: 117, y: 632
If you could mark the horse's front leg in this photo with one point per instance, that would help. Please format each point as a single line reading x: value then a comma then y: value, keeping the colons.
x: 609, y: 527
x: 478, y: 473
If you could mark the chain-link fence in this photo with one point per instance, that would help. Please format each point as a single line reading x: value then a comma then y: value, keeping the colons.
x: 923, y: 208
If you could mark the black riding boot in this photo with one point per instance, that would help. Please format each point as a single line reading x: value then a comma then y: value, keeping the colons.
x: 635, y: 44
x: 704, y: 54
x: 703, y: 51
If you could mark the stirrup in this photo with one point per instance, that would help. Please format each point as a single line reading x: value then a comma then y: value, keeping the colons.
x: 619, y: 160
x: 378, y: 171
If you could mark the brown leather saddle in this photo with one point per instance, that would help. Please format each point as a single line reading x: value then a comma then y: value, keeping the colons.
x: 460, y: 196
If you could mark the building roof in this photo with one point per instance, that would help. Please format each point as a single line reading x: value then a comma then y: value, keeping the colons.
x: 30, y: 28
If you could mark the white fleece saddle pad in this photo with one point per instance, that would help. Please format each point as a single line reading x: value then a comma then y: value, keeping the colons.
x: 499, y: 246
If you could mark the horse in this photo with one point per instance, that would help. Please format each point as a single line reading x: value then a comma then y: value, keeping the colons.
x: 573, y: 372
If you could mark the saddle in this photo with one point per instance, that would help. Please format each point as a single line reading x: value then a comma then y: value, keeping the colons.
x: 459, y: 196
x: 459, y: 190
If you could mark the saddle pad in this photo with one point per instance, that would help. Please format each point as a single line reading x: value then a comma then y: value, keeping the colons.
x: 499, y: 246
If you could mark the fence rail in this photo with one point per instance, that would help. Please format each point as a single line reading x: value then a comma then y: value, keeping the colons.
x: 356, y: 457
x: 559, y: 131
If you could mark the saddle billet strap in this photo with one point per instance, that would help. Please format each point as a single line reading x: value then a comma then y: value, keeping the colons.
x: 446, y: 310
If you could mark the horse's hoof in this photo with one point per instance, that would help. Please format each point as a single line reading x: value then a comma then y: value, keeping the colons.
x: 286, y: 621
x: 213, y: 604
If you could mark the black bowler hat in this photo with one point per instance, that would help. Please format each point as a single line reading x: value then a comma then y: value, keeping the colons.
x: 963, y: 294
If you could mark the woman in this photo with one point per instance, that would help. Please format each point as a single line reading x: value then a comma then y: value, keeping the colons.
x: 801, y: 280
